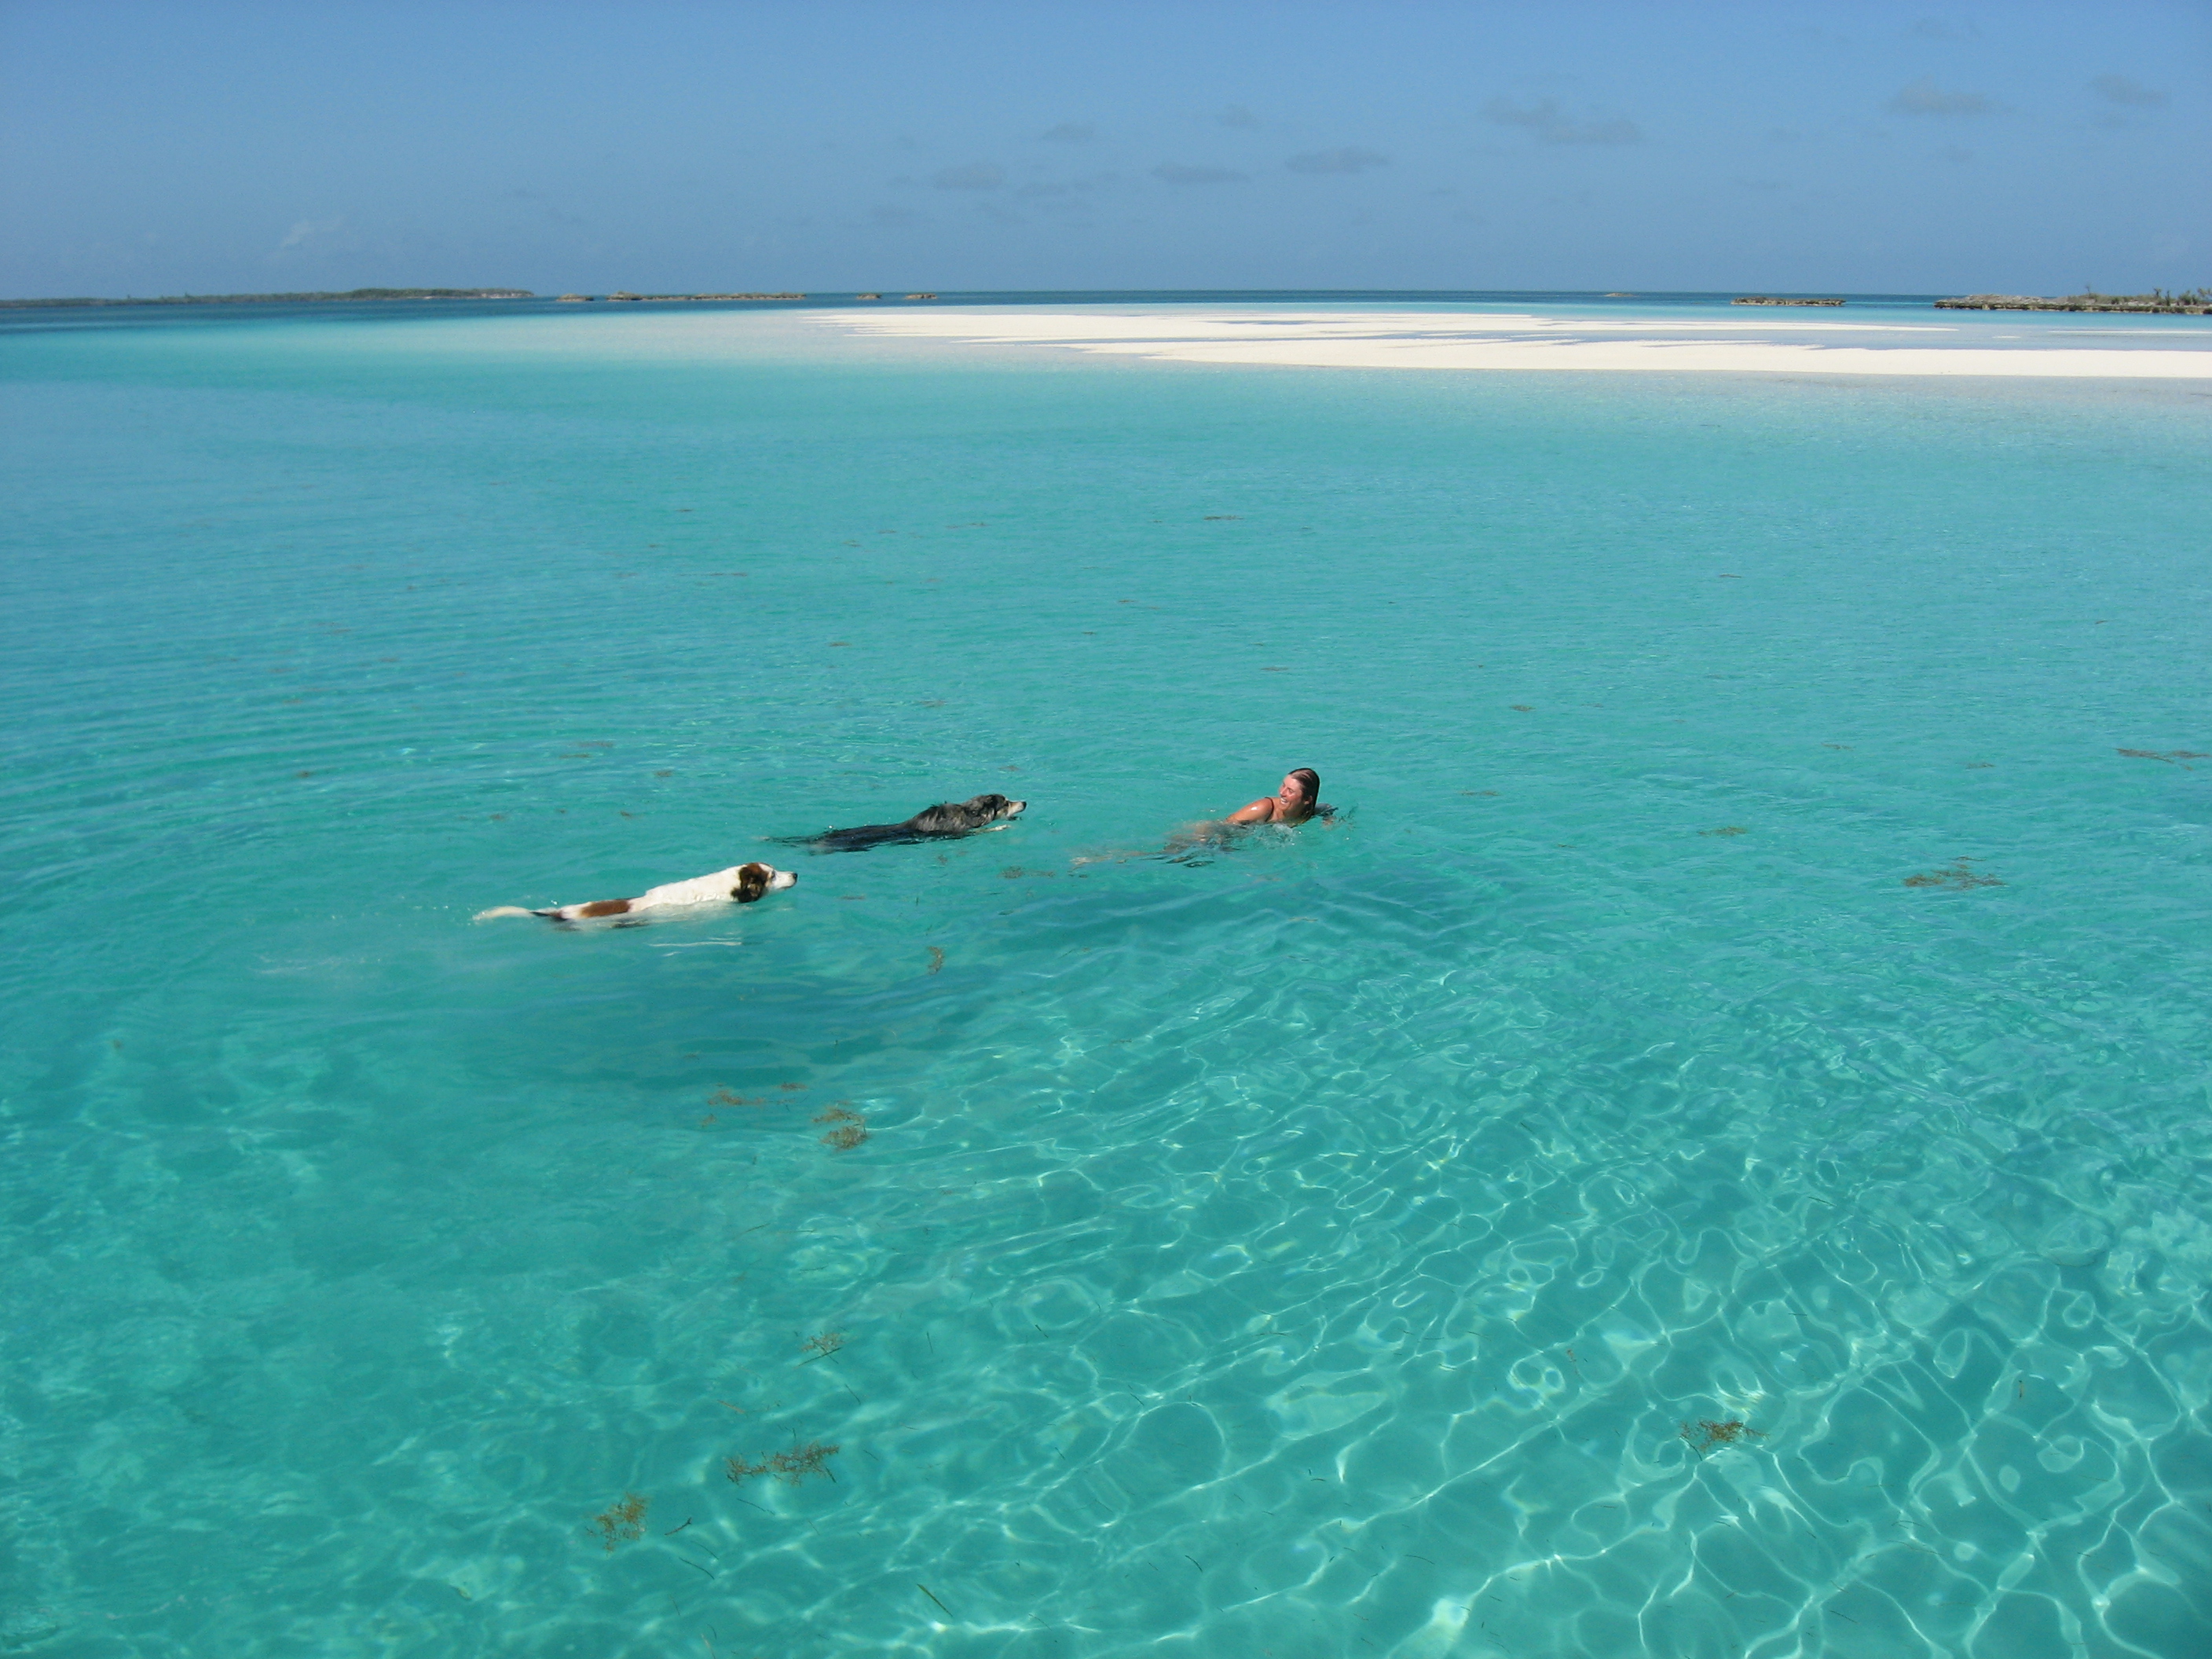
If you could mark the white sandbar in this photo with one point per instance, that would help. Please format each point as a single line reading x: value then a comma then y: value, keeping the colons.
x: 1482, y: 340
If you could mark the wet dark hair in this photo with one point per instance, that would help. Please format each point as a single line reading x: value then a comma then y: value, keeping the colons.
x: 1316, y: 807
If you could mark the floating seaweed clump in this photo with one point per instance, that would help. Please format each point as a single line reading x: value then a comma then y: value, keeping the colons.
x: 2172, y: 758
x: 1725, y: 829
x: 726, y: 1097
x: 822, y: 1346
x: 1708, y: 1434
x: 622, y: 1522
x: 850, y: 1131
x: 1956, y: 875
x: 792, y: 1467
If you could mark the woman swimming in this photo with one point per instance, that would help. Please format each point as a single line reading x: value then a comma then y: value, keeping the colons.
x: 1298, y: 799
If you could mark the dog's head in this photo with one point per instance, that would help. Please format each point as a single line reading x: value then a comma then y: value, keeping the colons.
x: 994, y: 809
x: 756, y: 879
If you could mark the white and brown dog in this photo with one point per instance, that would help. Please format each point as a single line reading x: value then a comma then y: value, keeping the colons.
x: 741, y: 884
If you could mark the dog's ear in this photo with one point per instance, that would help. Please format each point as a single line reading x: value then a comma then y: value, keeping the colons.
x: 752, y: 882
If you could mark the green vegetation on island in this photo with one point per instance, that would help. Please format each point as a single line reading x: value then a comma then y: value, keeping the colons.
x: 2197, y: 302
x: 1774, y: 299
x: 293, y: 299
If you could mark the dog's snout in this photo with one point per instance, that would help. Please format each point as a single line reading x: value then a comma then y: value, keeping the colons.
x: 1016, y: 808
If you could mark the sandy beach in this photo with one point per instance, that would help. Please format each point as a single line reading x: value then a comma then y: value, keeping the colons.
x: 1471, y: 340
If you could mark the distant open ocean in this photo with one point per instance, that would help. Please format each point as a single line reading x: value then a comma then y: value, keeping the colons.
x: 1709, y: 1154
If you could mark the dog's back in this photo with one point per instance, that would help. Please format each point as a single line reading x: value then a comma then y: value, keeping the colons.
x: 945, y: 821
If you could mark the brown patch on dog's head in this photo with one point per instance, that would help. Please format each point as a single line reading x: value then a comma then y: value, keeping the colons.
x: 757, y: 880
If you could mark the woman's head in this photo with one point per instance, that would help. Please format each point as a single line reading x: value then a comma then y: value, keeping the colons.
x: 1301, y: 790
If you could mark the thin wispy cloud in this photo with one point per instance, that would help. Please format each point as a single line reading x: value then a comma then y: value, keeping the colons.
x: 975, y: 175
x: 1924, y: 97
x: 308, y: 232
x: 1336, y: 161
x: 1237, y: 116
x: 1507, y: 113
x: 1069, y: 132
x: 1551, y: 124
x: 1179, y: 172
x: 1047, y: 188
x: 2121, y: 90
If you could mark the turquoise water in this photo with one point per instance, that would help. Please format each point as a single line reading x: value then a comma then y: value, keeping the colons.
x: 1318, y: 1249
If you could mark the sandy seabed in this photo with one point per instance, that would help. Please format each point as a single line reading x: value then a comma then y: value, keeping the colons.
x: 1472, y: 340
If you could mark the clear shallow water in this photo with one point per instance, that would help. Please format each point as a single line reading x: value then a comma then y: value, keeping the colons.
x: 1316, y: 1250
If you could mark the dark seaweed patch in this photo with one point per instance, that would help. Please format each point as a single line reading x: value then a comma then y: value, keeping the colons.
x: 850, y: 1130
x: 792, y: 1467
x: 621, y: 1522
x: 1708, y: 1434
x: 1956, y: 875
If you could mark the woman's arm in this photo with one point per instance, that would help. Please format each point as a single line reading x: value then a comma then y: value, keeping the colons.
x: 1261, y: 810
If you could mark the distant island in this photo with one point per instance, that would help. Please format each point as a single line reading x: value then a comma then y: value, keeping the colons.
x: 2197, y: 302
x: 1771, y: 300
x: 293, y: 299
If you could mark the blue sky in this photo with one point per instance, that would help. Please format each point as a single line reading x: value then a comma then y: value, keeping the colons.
x: 845, y: 145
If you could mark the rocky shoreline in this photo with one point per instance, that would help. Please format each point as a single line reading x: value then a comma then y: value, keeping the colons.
x: 2197, y: 302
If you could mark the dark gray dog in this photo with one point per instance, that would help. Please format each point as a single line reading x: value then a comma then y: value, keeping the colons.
x: 946, y: 821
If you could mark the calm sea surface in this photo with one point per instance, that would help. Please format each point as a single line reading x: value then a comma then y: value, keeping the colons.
x: 1706, y: 1156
